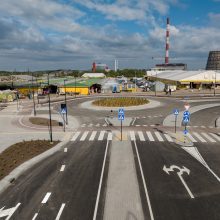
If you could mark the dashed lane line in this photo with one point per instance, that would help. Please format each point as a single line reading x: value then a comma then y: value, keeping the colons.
x: 35, y: 216
x: 60, y: 211
x: 47, y: 196
x: 62, y: 168
x: 65, y: 150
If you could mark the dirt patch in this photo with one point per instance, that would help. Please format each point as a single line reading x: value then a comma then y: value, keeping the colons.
x: 20, y: 152
x: 120, y: 102
x: 43, y: 121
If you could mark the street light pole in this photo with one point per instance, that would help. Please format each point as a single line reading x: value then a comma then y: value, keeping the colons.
x: 65, y: 100
x: 33, y: 95
x: 50, y: 122
x: 75, y: 86
x: 156, y: 85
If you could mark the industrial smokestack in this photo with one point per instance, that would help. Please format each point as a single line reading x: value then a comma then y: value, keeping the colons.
x: 167, y: 41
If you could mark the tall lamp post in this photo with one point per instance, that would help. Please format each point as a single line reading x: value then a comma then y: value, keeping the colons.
x: 65, y: 100
x: 155, y: 88
x: 33, y: 95
x: 75, y: 86
x: 50, y: 122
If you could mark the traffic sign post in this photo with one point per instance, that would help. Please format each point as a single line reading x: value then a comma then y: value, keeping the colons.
x: 186, y: 119
x: 63, y: 112
x: 121, y: 117
x: 176, y: 113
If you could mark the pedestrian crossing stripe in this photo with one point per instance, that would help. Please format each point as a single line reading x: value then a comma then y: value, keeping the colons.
x: 144, y: 136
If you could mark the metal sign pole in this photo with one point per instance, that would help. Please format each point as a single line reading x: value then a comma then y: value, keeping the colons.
x: 121, y: 130
x: 175, y: 122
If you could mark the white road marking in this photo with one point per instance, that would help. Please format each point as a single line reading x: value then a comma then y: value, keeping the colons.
x: 35, y: 216
x: 152, y: 125
x: 132, y: 135
x: 208, y: 137
x: 62, y: 168
x: 92, y: 137
x: 144, y: 117
x: 47, y: 196
x: 195, y: 126
x: 203, y: 126
x: 90, y: 125
x: 168, y: 137
x: 109, y: 138
x: 8, y: 212
x: 191, y: 138
x: 150, y: 136
x: 101, y: 136
x: 215, y: 136
x: 199, y: 137
x: 133, y: 121
x: 105, y: 125
x: 83, y: 125
x: 100, y: 183
x: 84, y: 136
x: 65, y: 149
x: 159, y: 137
x: 76, y: 135
x: 149, y: 116
x: 97, y: 125
x: 144, y: 183
x: 137, y: 125
x: 145, y: 125
x: 141, y: 136
x: 211, y: 127
x: 60, y: 211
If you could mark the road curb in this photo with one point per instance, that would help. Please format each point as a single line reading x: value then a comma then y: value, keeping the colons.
x: 6, y: 181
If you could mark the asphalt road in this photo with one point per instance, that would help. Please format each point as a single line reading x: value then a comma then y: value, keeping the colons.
x: 168, y: 196
x: 76, y: 186
x: 179, y: 186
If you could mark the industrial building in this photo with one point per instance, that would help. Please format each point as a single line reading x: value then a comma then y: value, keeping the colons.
x: 192, y: 79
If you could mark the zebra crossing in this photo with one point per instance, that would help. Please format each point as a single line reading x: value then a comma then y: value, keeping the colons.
x: 93, y: 125
x: 150, y: 136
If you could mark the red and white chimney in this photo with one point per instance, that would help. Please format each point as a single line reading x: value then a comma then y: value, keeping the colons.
x: 167, y: 41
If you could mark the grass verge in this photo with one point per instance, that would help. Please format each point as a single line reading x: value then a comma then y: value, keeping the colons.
x: 20, y: 152
x: 120, y: 102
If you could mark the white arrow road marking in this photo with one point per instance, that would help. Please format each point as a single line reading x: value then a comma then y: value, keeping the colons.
x: 180, y: 173
x: 47, y: 196
x: 193, y: 151
x: 60, y: 211
x: 8, y: 212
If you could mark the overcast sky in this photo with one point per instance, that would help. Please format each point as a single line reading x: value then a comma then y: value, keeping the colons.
x: 71, y: 34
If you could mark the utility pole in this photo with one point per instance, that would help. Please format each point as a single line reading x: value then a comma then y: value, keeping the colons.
x: 65, y: 100
x: 50, y: 122
x: 33, y: 94
x: 75, y: 85
x: 156, y: 85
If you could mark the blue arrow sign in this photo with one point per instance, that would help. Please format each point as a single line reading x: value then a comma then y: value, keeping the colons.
x: 185, y: 132
x: 176, y: 111
x: 121, y: 117
x: 186, y: 119
x: 121, y: 111
x: 186, y: 113
x: 63, y: 111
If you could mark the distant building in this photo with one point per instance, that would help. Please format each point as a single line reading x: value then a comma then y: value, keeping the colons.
x: 213, y: 62
x: 170, y: 66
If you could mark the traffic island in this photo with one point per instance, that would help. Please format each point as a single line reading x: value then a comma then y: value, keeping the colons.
x: 44, y: 121
x: 20, y: 152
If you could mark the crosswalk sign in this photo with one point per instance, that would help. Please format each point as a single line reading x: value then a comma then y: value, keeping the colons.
x: 121, y: 117
x: 63, y: 108
x: 186, y: 113
x: 186, y: 119
x: 121, y: 111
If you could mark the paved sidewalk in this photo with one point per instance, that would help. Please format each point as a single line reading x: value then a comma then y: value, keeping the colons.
x: 122, y: 197
x: 15, y: 126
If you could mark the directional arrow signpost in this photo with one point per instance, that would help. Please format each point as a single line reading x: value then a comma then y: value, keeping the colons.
x: 173, y: 168
x: 176, y: 113
x: 121, y: 117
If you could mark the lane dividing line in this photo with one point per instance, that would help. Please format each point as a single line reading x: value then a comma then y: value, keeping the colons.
x: 60, y: 211
x: 47, y: 196
x: 100, y: 183
x: 62, y: 168
x: 35, y: 216
x: 65, y: 150
x: 144, y: 183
